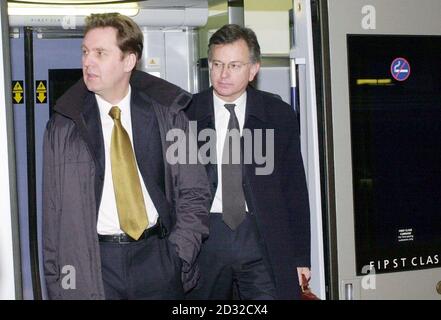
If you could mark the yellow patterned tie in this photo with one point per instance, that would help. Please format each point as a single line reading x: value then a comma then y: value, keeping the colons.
x: 129, y: 199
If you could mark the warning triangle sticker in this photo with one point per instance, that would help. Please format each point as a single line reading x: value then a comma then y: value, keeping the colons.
x: 17, y: 87
x: 41, y: 87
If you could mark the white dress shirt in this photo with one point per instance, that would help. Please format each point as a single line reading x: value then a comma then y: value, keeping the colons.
x: 221, y: 118
x: 108, y: 222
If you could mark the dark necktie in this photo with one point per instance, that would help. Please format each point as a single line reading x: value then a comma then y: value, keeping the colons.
x: 130, y: 203
x: 233, y: 199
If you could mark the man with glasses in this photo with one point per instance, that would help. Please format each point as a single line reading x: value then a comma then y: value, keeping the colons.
x: 259, y: 243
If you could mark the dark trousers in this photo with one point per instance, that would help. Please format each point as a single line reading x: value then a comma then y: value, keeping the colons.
x: 232, y: 260
x: 146, y: 269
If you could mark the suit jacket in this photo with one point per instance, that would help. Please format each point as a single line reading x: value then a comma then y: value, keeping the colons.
x: 73, y: 176
x: 280, y: 199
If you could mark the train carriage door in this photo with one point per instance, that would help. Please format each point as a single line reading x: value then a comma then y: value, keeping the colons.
x: 384, y: 102
x: 10, y: 281
x: 45, y: 62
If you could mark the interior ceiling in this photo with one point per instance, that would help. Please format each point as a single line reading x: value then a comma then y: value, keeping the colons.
x: 142, y: 3
x: 70, y: 2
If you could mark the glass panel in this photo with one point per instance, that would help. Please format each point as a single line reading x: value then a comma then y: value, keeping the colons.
x: 395, y: 106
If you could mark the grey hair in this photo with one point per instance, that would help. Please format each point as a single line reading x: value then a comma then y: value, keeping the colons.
x: 230, y: 33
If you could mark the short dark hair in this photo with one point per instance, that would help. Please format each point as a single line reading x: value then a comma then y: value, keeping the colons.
x: 129, y: 36
x: 230, y: 33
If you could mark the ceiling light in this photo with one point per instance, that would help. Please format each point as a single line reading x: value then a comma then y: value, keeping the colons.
x: 18, y: 9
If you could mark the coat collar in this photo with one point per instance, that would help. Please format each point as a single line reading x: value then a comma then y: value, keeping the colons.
x: 206, y: 106
x: 71, y: 104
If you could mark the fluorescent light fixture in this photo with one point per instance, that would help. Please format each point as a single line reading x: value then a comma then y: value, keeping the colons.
x: 18, y: 9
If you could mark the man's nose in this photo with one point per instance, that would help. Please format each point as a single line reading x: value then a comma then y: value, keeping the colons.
x: 87, y: 60
x: 225, y: 71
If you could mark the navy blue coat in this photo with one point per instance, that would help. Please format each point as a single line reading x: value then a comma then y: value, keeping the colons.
x: 280, y: 199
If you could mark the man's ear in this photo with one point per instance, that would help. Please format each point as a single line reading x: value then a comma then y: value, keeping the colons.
x: 130, y: 61
x: 254, y: 70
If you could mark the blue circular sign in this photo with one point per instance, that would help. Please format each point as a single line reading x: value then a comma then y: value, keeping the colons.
x: 400, y: 69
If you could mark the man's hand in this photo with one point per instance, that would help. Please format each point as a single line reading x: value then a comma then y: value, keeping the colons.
x: 305, y: 271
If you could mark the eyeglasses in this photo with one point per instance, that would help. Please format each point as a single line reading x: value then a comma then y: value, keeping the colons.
x: 234, y: 67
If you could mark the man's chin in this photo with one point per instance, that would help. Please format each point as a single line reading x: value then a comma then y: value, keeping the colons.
x: 91, y: 87
x: 222, y: 93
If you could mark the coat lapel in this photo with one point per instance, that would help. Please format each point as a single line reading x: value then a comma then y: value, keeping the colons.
x: 148, y: 149
x: 142, y: 127
x: 204, y: 116
x: 255, y: 118
x: 255, y: 115
x: 94, y: 133
x: 146, y: 140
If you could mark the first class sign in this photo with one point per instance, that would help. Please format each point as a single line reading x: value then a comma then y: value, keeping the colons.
x: 405, y: 263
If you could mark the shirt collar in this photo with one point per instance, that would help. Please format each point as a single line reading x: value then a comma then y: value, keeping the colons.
x: 105, y: 106
x: 239, y: 102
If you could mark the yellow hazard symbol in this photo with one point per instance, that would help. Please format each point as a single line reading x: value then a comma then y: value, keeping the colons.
x: 41, y: 91
x: 17, y: 91
x: 153, y: 62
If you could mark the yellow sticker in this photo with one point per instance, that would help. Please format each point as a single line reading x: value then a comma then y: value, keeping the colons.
x: 17, y: 91
x: 41, y: 91
x: 153, y: 62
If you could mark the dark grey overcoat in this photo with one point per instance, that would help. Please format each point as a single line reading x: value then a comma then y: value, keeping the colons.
x: 73, y: 175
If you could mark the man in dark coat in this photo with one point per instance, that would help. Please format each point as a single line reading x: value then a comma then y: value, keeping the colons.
x: 259, y: 243
x: 91, y: 251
